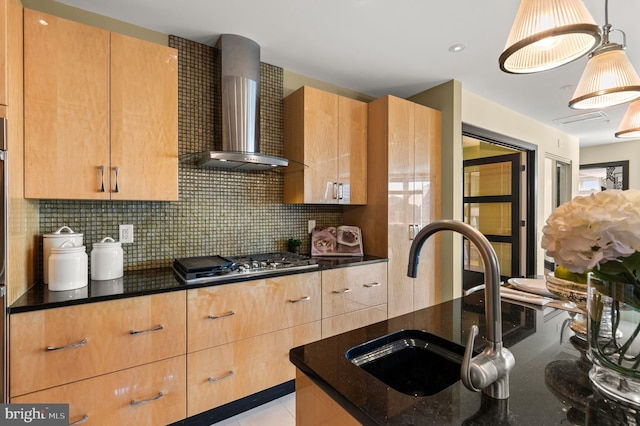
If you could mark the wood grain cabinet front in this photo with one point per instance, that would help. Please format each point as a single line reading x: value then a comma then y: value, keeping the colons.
x: 353, y: 297
x: 56, y: 346
x: 100, y: 113
x: 226, y: 313
x: 232, y: 371
x: 325, y: 137
x: 151, y: 394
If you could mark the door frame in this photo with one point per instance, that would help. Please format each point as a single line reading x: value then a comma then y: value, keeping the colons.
x: 530, y: 192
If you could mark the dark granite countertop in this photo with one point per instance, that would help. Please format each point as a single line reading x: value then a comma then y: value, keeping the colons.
x: 548, y: 385
x: 151, y: 281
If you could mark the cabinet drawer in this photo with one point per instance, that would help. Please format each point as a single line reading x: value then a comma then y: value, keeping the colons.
x: 225, y: 373
x: 352, y: 320
x: 353, y: 288
x: 152, y: 394
x: 56, y: 346
x: 225, y: 313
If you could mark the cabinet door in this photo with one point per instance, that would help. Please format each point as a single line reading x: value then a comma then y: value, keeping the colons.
x: 427, y: 286
x: 66, y: 106
x: 402, y: 198
x: 3, y: 51
x: 352, y: 151
x: 144, y: 120
x: 353, y: 288
x: 152, y: 394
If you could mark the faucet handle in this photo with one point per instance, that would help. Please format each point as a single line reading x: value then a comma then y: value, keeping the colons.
x: 465, y: 369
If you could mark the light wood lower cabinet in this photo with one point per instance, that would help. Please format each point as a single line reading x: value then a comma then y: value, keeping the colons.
x: 353, y: 297
x: 315, y: 408
x: 228, y: 372
x: 151, y: 394
x: 226, y: 313
x: 52, y: 347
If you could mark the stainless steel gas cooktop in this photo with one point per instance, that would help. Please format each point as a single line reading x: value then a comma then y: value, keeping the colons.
x: 206, y: 269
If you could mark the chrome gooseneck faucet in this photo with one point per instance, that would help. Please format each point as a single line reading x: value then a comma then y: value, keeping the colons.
x: 488, y: 371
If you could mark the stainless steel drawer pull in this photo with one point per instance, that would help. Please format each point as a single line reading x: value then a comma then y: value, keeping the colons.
x: 102, y: 179
x: 302, y: 299
x: 144, y: 401
x: 73, y: 345
x: 156, y: 328
x: 372, y: 285
x: 79, y: 422
x: 226, y: 376
x: 226, y: 314
x: 344, y: 290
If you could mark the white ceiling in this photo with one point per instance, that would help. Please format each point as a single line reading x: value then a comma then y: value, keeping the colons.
x: 398, y: 47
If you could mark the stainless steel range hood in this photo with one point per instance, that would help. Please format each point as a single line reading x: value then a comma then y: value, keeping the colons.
x: 240, y: 98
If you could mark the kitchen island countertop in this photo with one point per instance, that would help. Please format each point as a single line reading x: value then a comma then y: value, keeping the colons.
x: 548, y: 385
x: 151, y: 281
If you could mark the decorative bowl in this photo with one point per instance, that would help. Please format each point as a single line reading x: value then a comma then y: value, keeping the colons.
x: 569, y: 291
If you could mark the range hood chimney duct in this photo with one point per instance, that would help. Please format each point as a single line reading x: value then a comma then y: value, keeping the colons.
x: 240, y: 97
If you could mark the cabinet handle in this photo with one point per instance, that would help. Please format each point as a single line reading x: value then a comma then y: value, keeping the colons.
x: 302, y: 299
x: 117, y: 189
x: 156, y: 328
x: 79, y: 422
x: 344, y: 290
x: 224, y: 376
x: 412, y: 232
x: 340, y: 191
x: 372, y: 285
x: 82, y: 342
x: 226, y: 314
x: 144, y: 401
x: 335, y: 190
x: 101, y: 178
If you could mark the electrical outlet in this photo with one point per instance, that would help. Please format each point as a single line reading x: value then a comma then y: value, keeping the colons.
x: 126, y: 233
x: 312, y: 224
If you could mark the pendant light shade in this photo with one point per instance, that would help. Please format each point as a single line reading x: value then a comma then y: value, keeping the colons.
x: 609, y: 79
x: 547, y: 34
x: 630, y: 125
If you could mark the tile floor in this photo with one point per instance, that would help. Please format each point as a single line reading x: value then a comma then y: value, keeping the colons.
x: 279, y: 412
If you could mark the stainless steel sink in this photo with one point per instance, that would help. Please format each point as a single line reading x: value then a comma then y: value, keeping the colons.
x: 413, y: 362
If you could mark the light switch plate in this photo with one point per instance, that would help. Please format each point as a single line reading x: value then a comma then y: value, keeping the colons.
x: 312, y: 224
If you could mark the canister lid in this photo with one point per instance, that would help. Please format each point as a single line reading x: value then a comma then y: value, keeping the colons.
x: 68, y: 232
x: 68, y: 247
x: 108, y: 242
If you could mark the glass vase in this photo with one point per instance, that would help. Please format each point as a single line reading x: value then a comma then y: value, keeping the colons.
x: 613, y: 335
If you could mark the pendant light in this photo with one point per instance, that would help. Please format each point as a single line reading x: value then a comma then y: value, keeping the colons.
x: 609, y: 78
x: 547, y: 34
x: 630, y: 124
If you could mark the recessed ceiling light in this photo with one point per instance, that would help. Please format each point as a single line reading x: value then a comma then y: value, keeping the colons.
x: 458, y: 47
x: 566, y: 87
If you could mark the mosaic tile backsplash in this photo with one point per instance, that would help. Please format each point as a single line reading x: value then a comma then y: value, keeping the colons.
x: 219, y: 211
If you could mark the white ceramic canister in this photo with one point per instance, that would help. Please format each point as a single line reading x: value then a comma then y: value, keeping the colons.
x: 106, y: 260
x: 68, y: 266
x: 55, y: 239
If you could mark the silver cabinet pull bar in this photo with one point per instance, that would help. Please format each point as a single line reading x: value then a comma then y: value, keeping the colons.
x: 226, y: 314
x: 117, y: 189
x: 302, y: 299
x: 344, y: 290
x: 156, y: 328
x: 79, y: 422
x: 82, y: 342
x: 224, y: 376
x: 102, y: 179
x: 372, y: 285
x: 144, y: 401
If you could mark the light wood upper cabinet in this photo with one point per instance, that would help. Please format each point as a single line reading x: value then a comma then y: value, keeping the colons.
x: 326, y: 141
x: 4, y: 60
x: 83, y: 83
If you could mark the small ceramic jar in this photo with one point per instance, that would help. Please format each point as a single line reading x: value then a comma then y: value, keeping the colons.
x: 68, y: 267
x: 106, y: 260
x: 55, y: 239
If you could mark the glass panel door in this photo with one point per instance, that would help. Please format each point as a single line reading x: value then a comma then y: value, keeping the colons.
x: 492, y: 206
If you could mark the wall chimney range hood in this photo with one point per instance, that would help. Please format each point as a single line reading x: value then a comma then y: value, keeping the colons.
x: 240, y: 102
